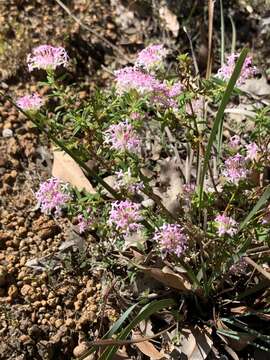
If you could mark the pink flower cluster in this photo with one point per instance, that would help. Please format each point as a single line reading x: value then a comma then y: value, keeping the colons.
x: 235, y: 168
x: 125, y: 215
x: 234, y: 142
x: 226, y: 70
x: 239, y: 268
x: 165, y: 95
x: 130, y: 78
x: 252, y: 151
x: 151, y: 57
x: 127, y: 182
x: 52, y: 196
x: 30, y: 102
x: 226, y: 225
x: 171, y: 239
x: 123, y: 137
x: 47, y: 57
x: 84, y: 222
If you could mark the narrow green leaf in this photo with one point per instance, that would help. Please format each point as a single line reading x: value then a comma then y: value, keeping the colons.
x: 116, y: 326
x: 265, y: 196
x: 145, y: 312
x: 218, y: 122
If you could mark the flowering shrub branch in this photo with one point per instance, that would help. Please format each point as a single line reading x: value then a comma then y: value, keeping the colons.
x: 179, y: 186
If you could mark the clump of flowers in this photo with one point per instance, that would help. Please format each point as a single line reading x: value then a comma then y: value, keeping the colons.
x: 47, y: 57
x: 235, y: 169
x: 127, y: 182
x: 125, y: 216
x: 239, y: 268
x: 226, y: 70
x: 123, y: 137
x: 164, y: 94
x: 131, y: 78
x: 226, y: 225
x: 151, y: 57
x: 30, y: 102
x: 84, y: 221
x: 52, y: 195
x: 171, y: 239
x: 252, y: 151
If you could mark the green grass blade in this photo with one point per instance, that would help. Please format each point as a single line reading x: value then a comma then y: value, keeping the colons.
x: 145, y: 312
x: 217, y: 128
x: 233, y: 35
x: 263, y: 199
x: 116, y: 326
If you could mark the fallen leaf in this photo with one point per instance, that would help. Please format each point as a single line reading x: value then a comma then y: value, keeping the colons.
x: 196, y: 344
x: 169, y: 278
x: 67, y: 170
x: 147, y: 348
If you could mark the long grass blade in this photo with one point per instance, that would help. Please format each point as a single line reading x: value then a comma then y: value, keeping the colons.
x: 263, y: 199
x: 145, y: 312
x: 217, y: 128
x: 233, y: 35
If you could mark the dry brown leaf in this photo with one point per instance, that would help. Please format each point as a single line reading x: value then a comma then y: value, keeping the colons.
x: 195, y: 344
x: 67, y: 170
x: 169, y: 278
x: 147, y: 348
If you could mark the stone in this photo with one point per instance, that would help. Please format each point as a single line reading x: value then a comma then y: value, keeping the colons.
x: 13, y: 292
x: 80, y: 349
x: 6, y: 133
x: 26, y: 290
x: 3, y: 276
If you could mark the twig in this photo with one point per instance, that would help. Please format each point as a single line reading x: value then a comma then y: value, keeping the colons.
x: 210, y: 37
x: 257, y: 267
x: 100, y: 37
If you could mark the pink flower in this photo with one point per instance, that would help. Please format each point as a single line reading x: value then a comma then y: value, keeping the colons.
x: 125, y: 215
x: 135, y: 115
x: 84, y: 222
x: 171, y: 239
x: 266, y: 216
x: 47, y: 57
x: 235, y: 168
x: 239, y: 268
x: 226, y: 225
x: 226, y: 70
x: 126, y: 181
x: 165, y: 95
x: 151, y: 57
x: 252, y: 151
x: 234, y: 142
x: 130, y: 78
x: 30, y: 102
x: 123, y: 137
x: 52, y: 195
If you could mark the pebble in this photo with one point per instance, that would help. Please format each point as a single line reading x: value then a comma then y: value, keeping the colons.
x: 3, y: 276
x: 80, y: 349
x: 6, y: 133
x: 26, y: 290
x: 13, y: 292
x: 58, y: 323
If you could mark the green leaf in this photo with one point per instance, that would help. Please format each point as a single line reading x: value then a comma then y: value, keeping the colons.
x: 145, y: 312
x: 263, y: 199
x: 217, y: 128
x: 116, y: 326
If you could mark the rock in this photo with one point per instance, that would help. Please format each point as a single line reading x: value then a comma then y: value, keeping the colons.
x: 13, y: 292
x: 87, y: 317
x: 80, y: 349
x: 70, y: 322
x: 6, y: 133
x: 3, y: 276
x: 26, y: 290
x: 25, y: 339
x: 58, y: 323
